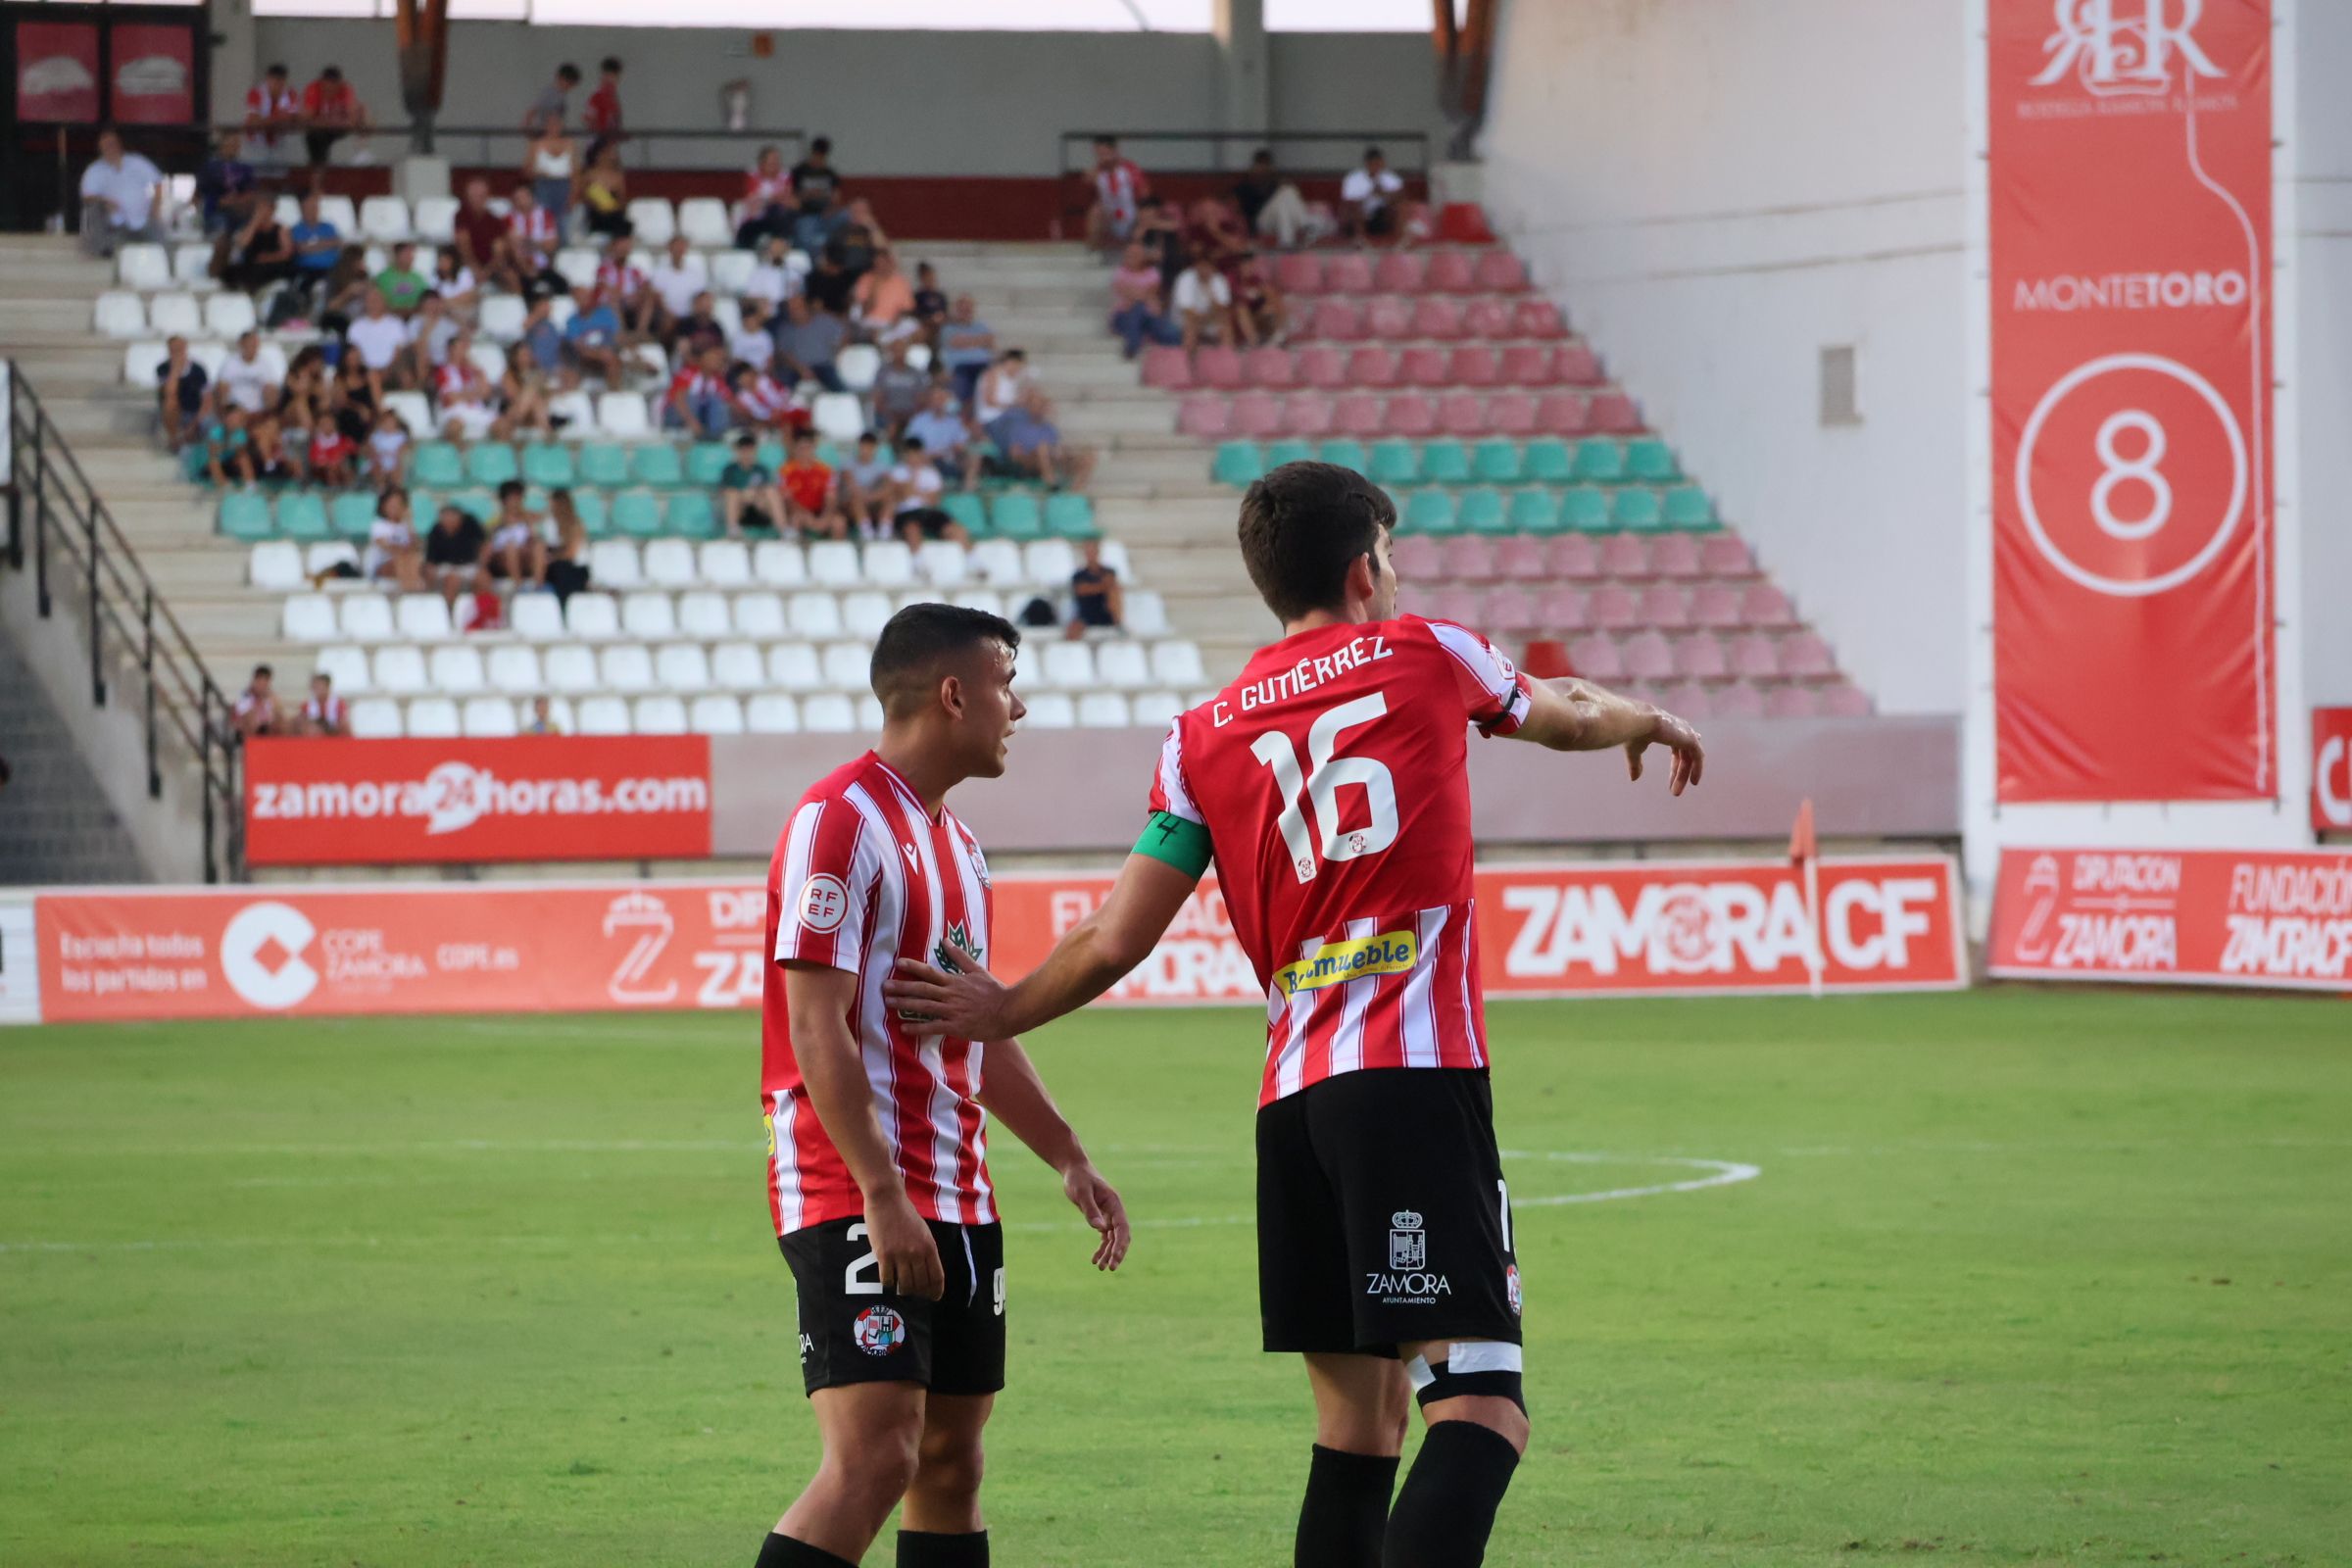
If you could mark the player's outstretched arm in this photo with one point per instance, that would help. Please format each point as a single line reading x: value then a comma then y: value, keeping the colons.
x: 1011, y: 1091
x: 1569, y: 715
x: 1089, y: 960
x: 818, y: 1000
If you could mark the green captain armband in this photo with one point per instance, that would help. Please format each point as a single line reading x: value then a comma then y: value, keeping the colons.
x: 1179, y: 840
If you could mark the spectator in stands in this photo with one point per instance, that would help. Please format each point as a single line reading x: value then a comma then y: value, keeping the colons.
x: 516, y: 555
x: 828, y: 286
x: 806, y: 343
x: 317, y: 247
x: 1119, y: 190
x: 357, y: 399
x: 1161, y: 236
x: 331, y: 110
x: 605, y: 193
x: 866, y: 485
x: 1099, y: 602
x: 817, y: 188
x: 1372, y: 202
x: 345, y: 291
x: 748, y: 495
x: 333, y: 457
x: 430, y: 333
x: 771, y: 280
x: 899, y: 392
x: 676, y: 279
x: 393, y: 554
x: 567, y: 539
x: 604, y: 104
x: 261, y: 252
x: 1138, y: 305
x: 227, y: 187
x: 552, y: 106
x: 1033, y: 447
x: 762, y: 401
x: 545, y: 339
x: 225, y: 442
x: 454, y: 547
x: 767, y: 208
x: 810, y: 491
x: 459, y: 290
x: 480, y: 233
x: 183, y: 393
x: 1215, y: 230
x: 302, y: 401
x: 930, y: 302
x: 323, y: 712
x: 914, y: 491
x: 387, y: 449
x: 1002, y: 389
x: 945, y: 435
x: 268, y: 460
x: 123, y: 197
x: 697, y: 399
x: 1260, y: 312
x: 1205, y: 304
x: 257, y: 711
x: 882, y: 301
x: 622, y: 284
x: 592, y: 340
x: 752, y: 343
x: 272, y: 114
x: 527, y: 255
x: 542, y: 720
x: 855, y: 243
x: 552, y: 164
x: 965, y: 347
x: 1271, y: 205
x: 249, y: 379
x: 524, y: 395
x: 463, y: 395
x: 699, y: 330
x: 400, y: 284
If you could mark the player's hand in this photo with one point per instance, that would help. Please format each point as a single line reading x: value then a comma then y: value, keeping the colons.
x: 1100, y: 1202
x: 1678, y: 737
x: 905, y: 1257
x: 970, y: 1004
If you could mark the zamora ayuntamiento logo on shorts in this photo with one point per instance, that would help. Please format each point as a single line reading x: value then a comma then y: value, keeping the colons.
x: 454, y: 796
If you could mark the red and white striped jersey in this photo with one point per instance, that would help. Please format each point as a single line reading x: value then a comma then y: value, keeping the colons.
x: 1331, y: 778
x: 862, y: 877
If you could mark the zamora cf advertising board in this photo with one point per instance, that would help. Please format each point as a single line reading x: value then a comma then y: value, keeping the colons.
x: 1545, y: 930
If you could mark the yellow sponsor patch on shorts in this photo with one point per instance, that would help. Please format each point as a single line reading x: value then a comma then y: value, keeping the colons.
x: 1356, y: 958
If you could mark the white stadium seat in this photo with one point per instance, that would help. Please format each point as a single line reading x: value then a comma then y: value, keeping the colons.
x: 654, y: 221
x: 328, y: 555
x: 346, y: 667
x: 865, y: 613
x: 192, y: 269
x: 577, y: 266
x: 730, y: 271
x: 888, y: 564
x: 400, y: 671
x: 603, y: 715
x: 703, y: 220
x: 367, y: 618
x: 432, y: 719
x: 1156, y: 709
x: 857, y: 364
x: 570, y: 667
x: 576, y: 414
x: 775, y: 561
x: 384, y: 218
x: 375, y: 718
x: 943, y: 562
x: 1103, y: 711
x: 490, y: 360
x: 537, y: 617
x: 140, y: 362
x: 503, y: 316
x: 1066, y: 666
x: 681, y: 667
x: 377, y: 257
x: 919, y: 354
x: 714, y: 713
x: 658, y: 715
x: 626, y: 667
x: 828, y: 715
x: 1124, y: 667
x: 738, y: 668
x: 771, y: 714
x: 435, y: 219
x: 455, y: 670
x: 229, y: 316
x: 847, y: 668
x: 275, y: 565
x: 288, y: 210
x: 487, y: 717
x: 145, y: 267
x: 1051, y: 711
x: 119, y: 314
x: 1177, y: 663
x: 1147, y: 613
x: 176, y: 316
x: 649, y: 615
x: 986, y: 600
x: 308, y: 618
x: 614, y: 563
x: 424, y: 618
x: 815, y: 616
x: 833, y: 563
x: 794, y: 667
x: 592, y: 615
x: 342, y: 211
x: 415, y: 413
x: 725, y: 564
x: 622, y: 416
x: 515, y: 669
x: 670, y: 564
x: 1114, y: 556
x: 1049, y: 561
x: 703, y: 616
x: 839, y: 416
x: 761, y: 615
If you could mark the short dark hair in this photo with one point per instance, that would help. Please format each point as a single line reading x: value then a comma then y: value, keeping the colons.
x: 568, y: 72
x: 914, y: 642
x: 746, y: 439
x: 510, y: 489
x: 275, y: 70
x: 1106, y: 141
x: 1371, y: 153
x: 911, y: 442
x: 611, y: 64
x: 259, y: 670
x: 1302, y: 526
x: 823, y: 144
x: 331, y: 74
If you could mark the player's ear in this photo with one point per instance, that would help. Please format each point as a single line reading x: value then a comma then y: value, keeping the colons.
x: 950, y: 695
x: 1363, y: 576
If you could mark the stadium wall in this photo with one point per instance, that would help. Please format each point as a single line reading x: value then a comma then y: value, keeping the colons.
x: 2320, y: 485
x: 1717, y: 193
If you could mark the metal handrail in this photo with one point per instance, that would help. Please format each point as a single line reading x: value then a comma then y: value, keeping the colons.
x: 191, y: 142
x: 77, y: 548
x: 1075, y: 148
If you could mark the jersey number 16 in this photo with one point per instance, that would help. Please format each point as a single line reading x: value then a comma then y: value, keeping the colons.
x: 1320, y: 788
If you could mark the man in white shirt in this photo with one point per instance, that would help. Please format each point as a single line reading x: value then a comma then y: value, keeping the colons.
x: 1203, y: 304
x: 1368, y: 197
x: 676, y: 279
x: 377, y: 336
x: 772, y: 279
x: 248, y: 378
x: 121, y: 199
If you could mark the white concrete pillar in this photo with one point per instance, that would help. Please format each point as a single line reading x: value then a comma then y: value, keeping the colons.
x: 1240, y: 28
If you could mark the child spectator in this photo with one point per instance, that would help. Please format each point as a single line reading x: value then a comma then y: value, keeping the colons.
x: 1205, y: 304
x: 810, y: 491
x: 392, y: 554
x: 183, y: 393
x: 567, y: 539
x: 1119, y: 190
x: 1139, y: 304
x: 333, y: 457
x: 226, y: 442
x: 523, y: 395
x: 257, y: 711
x: 1260, y: 315
x: 387, y: 449
x: 516, y: 555
x: 268, y: 460
x: 930, y: 304
x: 544, y: 338
x: 542, y: 721
x: 1002, y: 389
x: 323, y: 711
x: 764, y: 402
x: 460, y: 289
x: 527, y: 255
x: 604, y: 104
x: 452, y: 551
x: 463, y: 396
x: 552, y: 106
x: 753, y: 340
x: 1097, y: 596
x: 866, y: 485
x: 914, y: 490
x: 748, y: 496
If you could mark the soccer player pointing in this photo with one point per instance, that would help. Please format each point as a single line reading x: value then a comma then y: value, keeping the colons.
x: 1328, y: 785
x: 878, y: 1168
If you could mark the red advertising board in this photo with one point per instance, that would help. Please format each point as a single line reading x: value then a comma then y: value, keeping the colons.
x: 2190, y: 917
x: 57, y: 71
x: 1561, y: 930
x: 2331, y: 769
x: 2130, y: 335
x: 529, y: 798
x: 155, y: 74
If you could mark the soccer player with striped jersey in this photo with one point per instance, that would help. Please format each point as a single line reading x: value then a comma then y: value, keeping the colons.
x: 878, y: 1163
x: 1328, y: 785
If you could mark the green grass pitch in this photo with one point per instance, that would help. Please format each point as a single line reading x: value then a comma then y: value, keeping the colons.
x: 2024, y: 1277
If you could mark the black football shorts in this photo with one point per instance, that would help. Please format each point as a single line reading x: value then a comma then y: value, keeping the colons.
x: 1382, y: 1214
x: 853, y: 1331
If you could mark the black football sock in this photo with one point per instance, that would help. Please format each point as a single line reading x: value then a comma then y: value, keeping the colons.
x: 1347, y: 1508
x: 1447, y: 1510
x: 933, y: 1549
x: 782, y: 1552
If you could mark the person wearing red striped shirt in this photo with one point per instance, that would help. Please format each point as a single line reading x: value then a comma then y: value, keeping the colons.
x: 1328, y: 785
x: 878, y: 1177
x: 272, y: 114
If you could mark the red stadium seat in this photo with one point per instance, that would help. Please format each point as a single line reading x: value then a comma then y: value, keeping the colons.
x: 1716, y: 607
x: 1677, y: 555
x: 1842, y: 701
x: 1400, y: 272
x: 1538, y: 318
x: 1169, y: 367
x: 1547, y: 658
x: 1338, y: 320
x: 1462, y: 413
x: 1563, y: 413
x: 1649, y: 657
x: 1529, y: 365
x: 1625, y: 554
x: 1306, y: 413
x: 1362, y: 415
x: 1470, y: 559
x: 1348, y: 273
x: 1519, y: 558
x: 1464, y: 224
x: 1501, y: 272
x: 1755, y: 658
x: 1409, y: 416
x: 1737, y: 701
x: 1270, y: 366
x: 1511, y: 413
x: 1595, y: 657
x: 1424, y: 364
x: 1436, y: 317
x: 1475, y: 365
x: 1789, y: 701
x: 1805, y: 656
x: 1765, y: 605
x: 1466, y: 606
x: 1726, y: 555
x: 1372, y: 365
x: 1575, y: 556
x: 1510, y: 613
x: 1615, y: 608
x: 1324, y: 367
x: 1417, y: 599
x: 1218, y: 366
x: 1613, y: 414
x: 1699, y: 657
x: 1685, y: 700
x: 1417, y: 558
x: 1666, y: 608
x: 1565, y: 609
x: 1389, y: 317
x: 1452, y: 273
x: 1575, y: 365
x: 1300, y: 272
x: 1487, y: 317
x: 1257, y: 416
x: 1206, y: 417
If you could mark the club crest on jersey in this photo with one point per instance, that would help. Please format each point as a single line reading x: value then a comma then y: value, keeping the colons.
x: 951, y: 953
x: 878, y: 1331
x: 1408, y: 1243
x: 1408, y: 1281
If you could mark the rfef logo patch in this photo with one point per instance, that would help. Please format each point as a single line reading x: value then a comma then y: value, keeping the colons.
x: 824, y: 903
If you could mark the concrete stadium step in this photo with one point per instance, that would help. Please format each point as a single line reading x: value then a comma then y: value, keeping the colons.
x: 56, y: 827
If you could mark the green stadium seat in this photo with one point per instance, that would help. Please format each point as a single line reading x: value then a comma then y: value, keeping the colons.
x: 596, y: 515
x: 548, y: 463
x: 1428, y: 512
x: 1688, y: 506
x: 1496, y: 462
x: 301, y: 514
x: 657, y: 464
x: 705, y: 460
x: 1548, y: 462
x: 1015, y: 514
x: 1347, y: 455
x: 1534, y: 512
x: 1393, y: 463
x: 605, y: 464
x: 1237, y: 462
x: 1637, y: 507
x: 491, y: 464
x: 636, y: 513
x: 772, y: 454
x: 245, y: 515
x: 350, y: 513
x: 1598, y: 461
x: 1481, y: 512
x: 1445, y: 463
x: 969, y: 510
x: 481, y: 503
x: 1282, y: 452
x: 1070, y: 516
x: 829, y: 454
x: 691, y: 515
x: 1585, y: 509
x: 436, y: 464
x: 192, y: 462
x: 424, y: 507
x: 1650, y: 461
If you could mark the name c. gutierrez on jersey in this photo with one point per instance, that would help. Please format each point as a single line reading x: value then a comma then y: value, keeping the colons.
x: 1301, y: 679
